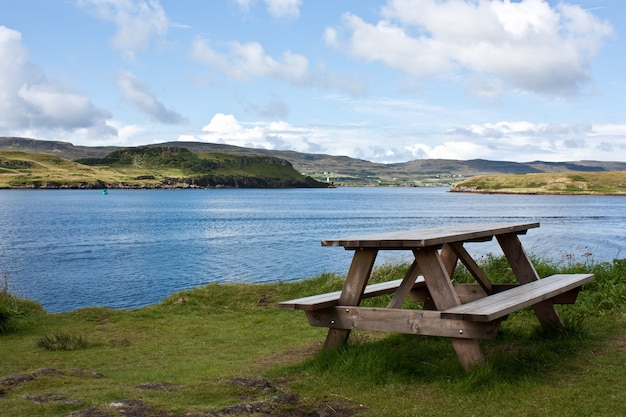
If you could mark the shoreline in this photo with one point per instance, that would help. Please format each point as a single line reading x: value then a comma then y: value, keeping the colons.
x: 582, y: 194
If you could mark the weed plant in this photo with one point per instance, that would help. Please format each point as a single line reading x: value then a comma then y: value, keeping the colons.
x: 15, y: 314
x: 62, y: 341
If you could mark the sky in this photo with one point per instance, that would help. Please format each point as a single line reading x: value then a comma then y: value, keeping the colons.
x: 382, y: 80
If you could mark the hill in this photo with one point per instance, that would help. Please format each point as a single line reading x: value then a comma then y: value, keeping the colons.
x: 149, y: 167
x: 341, y: 170
x: 582, y: 183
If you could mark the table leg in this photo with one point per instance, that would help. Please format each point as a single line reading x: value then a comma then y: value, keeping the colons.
x: 442, y: 291
x: 353, y: 287
x: 405, y: 287
x: 472, y: 267
x: 525, y: 273
x: 450, y: 258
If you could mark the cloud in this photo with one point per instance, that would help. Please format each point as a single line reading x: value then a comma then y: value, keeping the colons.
x: 516, y: 140
x: 520, y: 140
x: 528, y: 44
x: 225, y: 128
x: 274, y: 108
x: 277, y: 8
x: 136, y: 21
x: 243, y: 61
x: 138, y: 93
x: 29, y: 101
x: 246, y: 60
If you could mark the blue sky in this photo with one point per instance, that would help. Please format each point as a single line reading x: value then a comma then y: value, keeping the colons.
x: 382, y: 80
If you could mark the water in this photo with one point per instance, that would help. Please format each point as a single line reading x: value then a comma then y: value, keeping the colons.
x: 130, y: 248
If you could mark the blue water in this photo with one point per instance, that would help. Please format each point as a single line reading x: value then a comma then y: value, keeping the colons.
x: 130, y: 248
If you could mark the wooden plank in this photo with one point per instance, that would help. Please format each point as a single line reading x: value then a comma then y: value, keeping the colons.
x: 501, y: 304
x: 437, y: 279
x: 449, y: 259
x: 568, y: 297
x: 525, y: 273
x: 352, y: 292
x: 524, y: 295
x: 442, y: 292
x: 405, y: 287
x: 312, y: 302
x: 472, y: 267
x: 421, y: 322
x: 465, y: 292
x: 471, y: 292
x: 430, y: 237
x: 330, y: 299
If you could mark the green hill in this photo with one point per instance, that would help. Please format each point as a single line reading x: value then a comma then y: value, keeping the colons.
x: 149, y: 167
x: 341, y: 170
x: 611, y: 182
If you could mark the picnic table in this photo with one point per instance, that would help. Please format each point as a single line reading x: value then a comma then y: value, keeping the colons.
x: 465, y: 313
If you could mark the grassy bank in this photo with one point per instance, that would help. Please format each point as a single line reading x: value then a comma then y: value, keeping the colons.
x: 227, y: 350
x: 148, y: 167
x: 582, y: 183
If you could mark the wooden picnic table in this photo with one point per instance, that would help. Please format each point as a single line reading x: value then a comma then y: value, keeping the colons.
x: 465, y: 313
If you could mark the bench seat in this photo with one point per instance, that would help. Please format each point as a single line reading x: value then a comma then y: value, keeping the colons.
x: 331, y: 299
x: 502, y: 303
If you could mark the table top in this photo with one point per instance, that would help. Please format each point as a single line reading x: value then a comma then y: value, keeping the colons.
x: 422, y: 238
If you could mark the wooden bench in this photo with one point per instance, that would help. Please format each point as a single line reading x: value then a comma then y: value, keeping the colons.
x: 465, y: 313
x: 331, y: 299
x: 468, y: 293
x: 502, y: 303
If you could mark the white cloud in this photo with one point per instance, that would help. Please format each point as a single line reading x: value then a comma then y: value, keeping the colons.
x: 279, y: 135
x: 138, y: 93
x: 244, y: 61
x: 526, y: 141
x: 137, y: 22
x: 225, y: 128
x: 277, y: 8
x: 29, y: 101
x: 520, y: 141
x: 528, y: 44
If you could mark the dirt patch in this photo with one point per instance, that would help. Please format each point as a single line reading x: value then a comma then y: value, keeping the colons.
x: 53, y: 398
x: 9, y: 382
x: 157, y: 386
x: 14, y: 380
x: 274, y: 400
x: 88, y: 412
x: 259, y: 383
x: 134, y: 408
x: 287, y: 357
x: 125, y: 408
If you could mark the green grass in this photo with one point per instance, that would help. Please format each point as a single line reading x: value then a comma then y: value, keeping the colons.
x: 148, y: 167
x: 609, y: 182
x: 195, y: 342
x: 62, y: 341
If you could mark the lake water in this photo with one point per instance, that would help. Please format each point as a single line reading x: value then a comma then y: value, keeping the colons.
x: 130, y: 248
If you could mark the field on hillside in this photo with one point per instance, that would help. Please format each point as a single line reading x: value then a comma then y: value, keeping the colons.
x: 154, y: 167
x: 612, y: 182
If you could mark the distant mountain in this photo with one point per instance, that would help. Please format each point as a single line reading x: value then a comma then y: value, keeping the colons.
x: 63, y: 149
x: 342, y: 170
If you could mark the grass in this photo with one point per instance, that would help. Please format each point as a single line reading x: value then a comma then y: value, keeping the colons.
x: 612, y: 182
x: 189, y: 355
x: 62, y: 341
x: 147, y: 167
